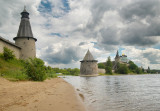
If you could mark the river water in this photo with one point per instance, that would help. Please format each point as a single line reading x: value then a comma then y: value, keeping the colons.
x: 119, y: 93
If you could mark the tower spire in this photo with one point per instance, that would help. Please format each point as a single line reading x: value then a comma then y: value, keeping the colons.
x: 117, y: 55
x: 88, y: 56
x: 24, y: 8
x: 25, y: 27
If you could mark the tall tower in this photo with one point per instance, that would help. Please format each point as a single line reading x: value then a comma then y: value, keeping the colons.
x: 117, y: 57
x: 25, y: 38
x: 88, y: 65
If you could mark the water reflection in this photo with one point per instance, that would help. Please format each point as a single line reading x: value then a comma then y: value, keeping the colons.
x: 119, y: 93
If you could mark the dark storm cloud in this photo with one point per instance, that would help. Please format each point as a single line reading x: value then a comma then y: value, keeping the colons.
x: 154, y: 28
x: 82, y: 43
x: 139, y: 34
x: 152, y: 57
x: 98, y: 8
x: 141, y: 9
x: 140, y: 18
x: 109, y: 36
x: 64, y: 56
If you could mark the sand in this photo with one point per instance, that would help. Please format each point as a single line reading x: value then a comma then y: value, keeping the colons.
x: 50, y: 95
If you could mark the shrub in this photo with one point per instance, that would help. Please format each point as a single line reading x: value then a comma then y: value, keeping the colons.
x: 50, y: 72
x: 35, y: 69
x: 108, y: 70
x: 139, y: 71
x: 108, y: 67
x: 8, y: 54
x: 101, y: 66
x: 123, y: 69
x: 1, y: 55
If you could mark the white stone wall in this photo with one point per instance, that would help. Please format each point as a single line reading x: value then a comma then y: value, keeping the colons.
x: 15, y: 49
x: 27, y: 45
x: 88, y: 68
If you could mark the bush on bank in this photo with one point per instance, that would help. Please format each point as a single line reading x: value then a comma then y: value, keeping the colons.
x: 8, y: 54
x: 32, y: 69
x: 35, y: 69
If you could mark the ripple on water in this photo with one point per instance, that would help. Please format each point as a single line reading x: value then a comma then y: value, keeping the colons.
x: 119, y: 93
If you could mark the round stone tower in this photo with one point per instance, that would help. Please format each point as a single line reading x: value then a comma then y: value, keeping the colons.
x: 88, y: 65
x: 25, y: 38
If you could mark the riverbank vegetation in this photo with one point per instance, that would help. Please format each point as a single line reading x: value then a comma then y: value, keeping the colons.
x: 15, y: 69
x: 67, y: 71
x: 124, y: 68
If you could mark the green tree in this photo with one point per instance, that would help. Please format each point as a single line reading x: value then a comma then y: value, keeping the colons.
x: 101, y: 66
x: 35, y: 69
x: 139, y: 71
x: 148, y: 70
x: 143, y: 70
x: 132, y: 67
x: 57, y: 70
x: 70, y: 71
x: 123, y: 69
x: 50, y: 72
x: 108, y: 70
x: 8, y: 54
x: 75, y: 71
x: 65, y: 71
x: 108, y: 66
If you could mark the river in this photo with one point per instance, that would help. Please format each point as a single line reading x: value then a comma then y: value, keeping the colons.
x: 119, y: 93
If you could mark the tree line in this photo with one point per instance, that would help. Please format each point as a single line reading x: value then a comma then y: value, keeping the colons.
x: 123, y: 68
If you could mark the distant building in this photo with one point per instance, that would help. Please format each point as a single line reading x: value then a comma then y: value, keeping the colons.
x: 88, y: 66
x: 24, y: 46
x: 124, y: 59
x: 120, y: 59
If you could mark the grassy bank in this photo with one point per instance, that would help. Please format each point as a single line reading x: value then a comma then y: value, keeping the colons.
x: 15, y: 70
x: 12, y: 69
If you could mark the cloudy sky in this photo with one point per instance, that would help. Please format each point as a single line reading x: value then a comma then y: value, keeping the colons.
x: 66, y: 29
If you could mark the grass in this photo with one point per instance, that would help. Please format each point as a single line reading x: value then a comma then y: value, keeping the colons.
x: 14, y: 70
x: 51, y: 75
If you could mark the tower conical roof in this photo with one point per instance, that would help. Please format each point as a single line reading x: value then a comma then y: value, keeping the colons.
x: 88, y: 56
x: 117, y: 55
x: 25, y: 27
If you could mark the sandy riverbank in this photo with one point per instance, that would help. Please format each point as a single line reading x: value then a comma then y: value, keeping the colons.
x: 50, y: 95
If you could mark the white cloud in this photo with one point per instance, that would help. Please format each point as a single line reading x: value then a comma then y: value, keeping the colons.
x: 99, y: 25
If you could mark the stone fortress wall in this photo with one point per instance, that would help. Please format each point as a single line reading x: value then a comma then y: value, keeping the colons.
x: 103, y: 71
x: 6, y: 43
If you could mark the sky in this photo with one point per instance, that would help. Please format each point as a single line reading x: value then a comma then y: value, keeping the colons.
x: 66, y: 29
